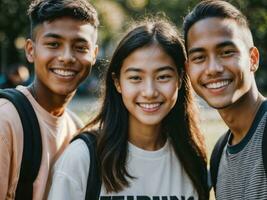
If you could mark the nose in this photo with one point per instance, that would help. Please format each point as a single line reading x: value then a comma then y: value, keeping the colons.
x: 214, y: 67
x: 67, y: 56
x: 150, y: 90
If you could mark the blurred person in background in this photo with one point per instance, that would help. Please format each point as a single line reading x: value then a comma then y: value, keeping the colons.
x: 15, y: 75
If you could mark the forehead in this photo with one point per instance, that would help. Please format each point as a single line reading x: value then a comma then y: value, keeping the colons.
x: 212, y: 31
x: 66, y: 28
x: 148, y: 58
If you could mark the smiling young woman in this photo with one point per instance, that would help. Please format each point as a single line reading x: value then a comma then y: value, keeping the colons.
x: 148, y: 141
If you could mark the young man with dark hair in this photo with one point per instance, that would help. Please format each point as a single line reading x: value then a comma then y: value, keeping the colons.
x: 222, y: 61
x: 63, y: 49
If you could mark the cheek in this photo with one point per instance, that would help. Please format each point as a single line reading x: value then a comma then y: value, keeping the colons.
x: 129, y: 95
x: 244, y: 75
x: 174, y: 98
x: 85, y: 60
x: 193, y: 72
x: 240, y: 67
x: 170, y: 91
x: 128, y: 91
x: 175, y: 95
x: 43, y: 57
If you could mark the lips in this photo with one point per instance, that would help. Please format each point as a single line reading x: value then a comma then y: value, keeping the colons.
x: 218, y: 84
x: 64, y: 72
x: 150, y: 107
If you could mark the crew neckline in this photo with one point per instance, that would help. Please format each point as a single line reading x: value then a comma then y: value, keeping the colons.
x: 48, y: 117
x: 137, y: 151
x: 234, y: 149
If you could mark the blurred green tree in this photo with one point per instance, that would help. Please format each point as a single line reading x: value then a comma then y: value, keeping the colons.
x: 13, y: 30
x: 115, y: 16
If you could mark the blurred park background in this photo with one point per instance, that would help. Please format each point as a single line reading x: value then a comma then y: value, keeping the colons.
x: 115, y: 16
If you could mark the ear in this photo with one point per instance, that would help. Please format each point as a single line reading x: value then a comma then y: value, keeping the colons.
x: 29, y: 50
x: 254, y: 59
x: 116, y: 82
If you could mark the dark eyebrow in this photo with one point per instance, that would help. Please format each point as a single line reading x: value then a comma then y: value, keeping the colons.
x: 165, y: 68
x: 82, y: 40
x: 220, y: 45
x: 133, y: 69
x: 53, y: 35
x: 56, y: 36
x: 224, y: 44
x: 194, y: 50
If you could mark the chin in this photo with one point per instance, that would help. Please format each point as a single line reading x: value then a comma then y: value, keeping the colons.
x: 219, y: 105
x: 65, y: 92
x: 151, y: 122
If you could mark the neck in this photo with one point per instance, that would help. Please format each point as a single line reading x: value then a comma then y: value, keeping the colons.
x: 146, y: 137
x: 53, y: 103
x: 240, y: 115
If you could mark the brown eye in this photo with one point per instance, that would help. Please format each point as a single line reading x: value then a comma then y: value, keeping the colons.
x: 198, y: 59
x: 52, y: 45
x: 82, y: 49
x: 227, y: 53
x: 164, y: 77
x: 134, y: 78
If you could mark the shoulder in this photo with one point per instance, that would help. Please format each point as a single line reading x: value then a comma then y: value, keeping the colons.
x: 74, y: 163
x: 11, y: 132
x: 70, y: 172
x: 6, y: 106
x: 264, y: 110
x: 9, y: 118
x: 77, y: 151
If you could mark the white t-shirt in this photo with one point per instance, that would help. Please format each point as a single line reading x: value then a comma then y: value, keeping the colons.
x: 158, y: 175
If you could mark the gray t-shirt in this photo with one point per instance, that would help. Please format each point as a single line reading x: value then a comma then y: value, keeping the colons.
x: 241, y: 174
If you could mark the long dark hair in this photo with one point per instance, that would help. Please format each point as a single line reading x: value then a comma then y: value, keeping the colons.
x: 181, y: 123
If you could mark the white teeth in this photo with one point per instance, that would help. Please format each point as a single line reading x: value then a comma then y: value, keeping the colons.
x: 149, y: 105
x: 62, y: 72
x: 217, y: 84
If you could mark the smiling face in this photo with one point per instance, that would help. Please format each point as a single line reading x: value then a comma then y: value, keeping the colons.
x: 221, y: 63
x: 148, y: 84
x: 63, y: 52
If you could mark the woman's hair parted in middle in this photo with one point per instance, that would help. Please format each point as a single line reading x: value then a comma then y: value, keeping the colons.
x: 180, y: 125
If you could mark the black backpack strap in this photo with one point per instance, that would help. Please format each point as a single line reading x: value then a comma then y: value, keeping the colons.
x: 216, y: 157
x: 32, y: 143
x: 264, y: 149
x: 94, y: 179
